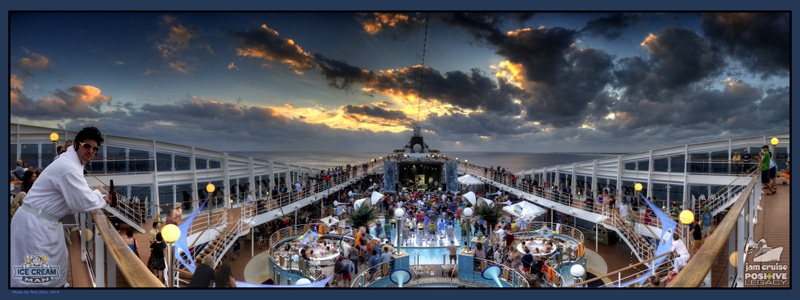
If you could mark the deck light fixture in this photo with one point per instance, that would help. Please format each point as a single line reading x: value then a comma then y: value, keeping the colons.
x: 171, y: 233
x: 687, y: 216
x: 54, y: 137
x: 774, y: 141
x: 734, y: 259
x: 210, y: 188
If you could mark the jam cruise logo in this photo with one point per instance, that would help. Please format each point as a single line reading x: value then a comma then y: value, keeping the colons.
x: 36, y: 270
x: 766, y: 269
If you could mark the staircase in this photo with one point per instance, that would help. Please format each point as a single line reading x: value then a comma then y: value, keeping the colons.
x: 128, y: 212
x: 640, y: 248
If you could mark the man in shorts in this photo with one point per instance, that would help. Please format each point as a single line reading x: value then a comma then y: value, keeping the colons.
x: 697, y: 236
x: 764, y: 159
x: 453, y: 251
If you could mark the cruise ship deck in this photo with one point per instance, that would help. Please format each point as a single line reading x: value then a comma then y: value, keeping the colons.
x: 156, y: 176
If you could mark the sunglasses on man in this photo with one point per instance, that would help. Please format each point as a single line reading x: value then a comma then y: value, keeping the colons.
x: 88, y: 147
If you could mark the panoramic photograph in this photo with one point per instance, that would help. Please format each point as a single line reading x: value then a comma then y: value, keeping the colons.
x: 399, y: 150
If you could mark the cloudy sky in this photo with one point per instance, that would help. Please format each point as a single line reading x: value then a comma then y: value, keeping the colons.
x: 519, y: 82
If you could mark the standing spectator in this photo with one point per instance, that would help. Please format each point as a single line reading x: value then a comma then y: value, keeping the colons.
x: 764, y: 159
x: 697, y: 235
x: 453, y: 248
x: 204, y: 274
x: 37, y: 229
x: 224, y: 279
x: 157, y: 256
x: 706, y: 218
x: 386, y: 256
x: 737, y: 162
x: 747, y: 158
x: 342, y: 270
x: 773, y: 172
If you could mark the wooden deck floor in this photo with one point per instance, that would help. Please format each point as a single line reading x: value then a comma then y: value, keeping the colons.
x: 773, y: 226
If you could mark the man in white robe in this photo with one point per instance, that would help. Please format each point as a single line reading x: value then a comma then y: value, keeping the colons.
x: 36, y: 233
x: 681, y: 253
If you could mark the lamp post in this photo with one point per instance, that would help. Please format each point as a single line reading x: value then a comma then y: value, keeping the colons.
x: 774, y: 142
x: 210, y: 188
x: 577, y: 271
x: 171, y: 233
x: 468, y: 214
x: 398, y: 214
x: 686, y: 218
x: 638, y: 188
x: 54, y: 139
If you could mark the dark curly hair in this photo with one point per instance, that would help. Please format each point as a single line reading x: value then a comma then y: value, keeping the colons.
x: 88, y: 133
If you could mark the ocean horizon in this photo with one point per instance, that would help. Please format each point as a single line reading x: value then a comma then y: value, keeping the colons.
x: 515, y: 161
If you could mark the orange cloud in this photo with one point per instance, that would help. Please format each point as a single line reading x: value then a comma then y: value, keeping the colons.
x: 89, y: 95
x: 37, y: 61
x: 375, y: 24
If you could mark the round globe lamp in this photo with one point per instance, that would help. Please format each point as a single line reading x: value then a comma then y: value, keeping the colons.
x: 210, y: 188
x: 687, y: 217
x: 54, y: 137
x: 774, y: 141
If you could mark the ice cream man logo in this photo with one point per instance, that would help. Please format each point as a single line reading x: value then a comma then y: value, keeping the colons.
x: 765, y: 269
x: 36, y: 270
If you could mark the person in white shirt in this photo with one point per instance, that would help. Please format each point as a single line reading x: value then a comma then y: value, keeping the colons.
x: 36, y: 231
x: 681, y: 253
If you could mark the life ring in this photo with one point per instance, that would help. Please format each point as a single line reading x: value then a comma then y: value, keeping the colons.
x: 550, y: 274
x: 580, y: 249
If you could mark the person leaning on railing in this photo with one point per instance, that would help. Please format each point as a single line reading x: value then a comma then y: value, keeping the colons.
x: 36, y: 234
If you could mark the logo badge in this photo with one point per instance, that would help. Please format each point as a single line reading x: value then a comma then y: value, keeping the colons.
x: 36, y: 270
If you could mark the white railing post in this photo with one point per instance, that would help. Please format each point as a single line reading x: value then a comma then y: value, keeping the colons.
x: 99, y: 259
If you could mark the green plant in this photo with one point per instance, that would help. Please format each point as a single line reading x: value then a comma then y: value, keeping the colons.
x: 489, y: 214
x: 363, y: 215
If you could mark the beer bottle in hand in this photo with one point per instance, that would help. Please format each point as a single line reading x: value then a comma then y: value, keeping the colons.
x: 112, y: 194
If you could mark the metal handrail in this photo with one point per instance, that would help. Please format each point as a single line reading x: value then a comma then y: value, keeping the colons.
x: 694, y: 272
x: 516, y: 275
x: 375, y: 272
x: 641, y: 263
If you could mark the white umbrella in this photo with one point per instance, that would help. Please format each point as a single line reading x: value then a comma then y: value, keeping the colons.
x: 376, y: 197
x: 329, y: 220
x: 357, y: 203
x: 525, y: 210
x: 469, y: 180
x: 488, y: 202
x: 470, y: 197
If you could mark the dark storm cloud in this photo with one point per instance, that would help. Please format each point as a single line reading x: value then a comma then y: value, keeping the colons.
x: 678, y: 58
x: 761, y: 41
x: 610, y: 27
x: 375, y: 112
x: 682, y: 56
x: 560, y: 79
x: 736, y: 107
x: 341, y: 75
x: 476, y: 124
x: 472, y: 90
x: 578, y: 85
x: 265, y: 43
x: 484, y: 26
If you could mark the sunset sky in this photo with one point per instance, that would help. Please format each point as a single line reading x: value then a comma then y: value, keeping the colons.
x: 348, y: 81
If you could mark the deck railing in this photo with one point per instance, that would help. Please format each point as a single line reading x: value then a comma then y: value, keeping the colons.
x: 740, y: 215
x: 120, y: 256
